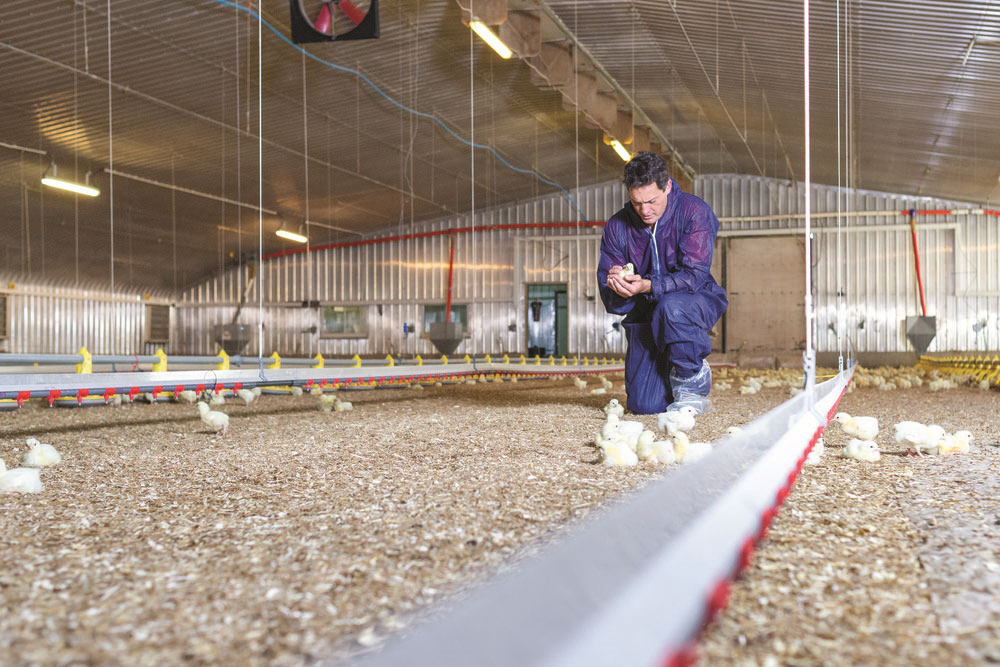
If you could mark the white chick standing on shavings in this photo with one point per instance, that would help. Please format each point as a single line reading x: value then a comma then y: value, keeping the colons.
x: 616, y: 452
x: 816, y: 454
x: 614, y: 407
x: 748, y: 389
x: 862, y: 428
x: 342, y: 406
x: 630, y: 432
x: 40, y: 454
x: 675, y: 421
x: 663, y: 452
x: 246, y: 395
x: 600, y: 391
x: 149, y: 398
x: 911, y: 435
x: 115, y: 400
x: 644, y: 445
x: 218, y: 421
x: 21, y: 480
x: 861, y: 450
x: 316, y: 390
x: 686, y: 451
x: 580, y: 383
x: 955, y: 443
x: 325, y: 402
x: 295, y: 390
x: 186, y: 396
x: 607, y: 384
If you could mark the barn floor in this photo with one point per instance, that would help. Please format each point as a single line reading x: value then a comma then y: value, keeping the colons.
x: 305, y: 534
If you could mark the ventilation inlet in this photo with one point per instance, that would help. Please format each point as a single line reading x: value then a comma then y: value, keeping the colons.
x: 4, y: 322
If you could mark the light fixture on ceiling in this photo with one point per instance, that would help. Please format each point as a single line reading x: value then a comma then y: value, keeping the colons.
x: 54, y: 181
x: 490, y: 38
x: 622, y: 153
x: 290, y: 235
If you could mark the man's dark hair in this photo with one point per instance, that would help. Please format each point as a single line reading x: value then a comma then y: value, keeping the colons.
x: 646, y: 168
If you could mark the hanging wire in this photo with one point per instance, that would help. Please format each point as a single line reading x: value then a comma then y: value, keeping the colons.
x: 111, y: 159
x: 76, y: 157
x: 841, y: 315
x: 810, y: 353
x: 472, y: 156
x: 420, y: 114
x: 260, y: 196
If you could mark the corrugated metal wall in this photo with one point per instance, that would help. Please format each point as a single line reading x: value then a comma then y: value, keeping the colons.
x: 53, y: 319
x: 396, y: 279
x: 960, y: 257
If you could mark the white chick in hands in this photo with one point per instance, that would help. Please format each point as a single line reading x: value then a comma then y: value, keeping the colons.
x: 615, y: 408
x: 21, y: 480
x: 40, y: 454
x: 862, y: 428
x: 217, y: 421
x: 861, y: 450
x: 580, y: 383
x: 246, y: 395
x: 627, y: 270
x: 676, y: 421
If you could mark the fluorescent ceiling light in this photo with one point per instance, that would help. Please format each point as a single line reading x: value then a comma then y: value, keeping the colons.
x: 622, y: 153
x: 490, y: 38
x: 70, y: 186
x: 291, y: 236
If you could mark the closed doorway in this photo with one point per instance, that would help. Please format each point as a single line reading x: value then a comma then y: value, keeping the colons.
x: 547, y: 319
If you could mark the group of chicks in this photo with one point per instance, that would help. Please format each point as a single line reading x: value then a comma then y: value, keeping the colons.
x: 918, y: 439
x: 219, y: 421
x: 606, y: 385
x: 27, y: 479
x: 626, y: 443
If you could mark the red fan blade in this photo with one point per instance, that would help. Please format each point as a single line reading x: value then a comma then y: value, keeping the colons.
x: 351, y: 11
x: 322, y: 23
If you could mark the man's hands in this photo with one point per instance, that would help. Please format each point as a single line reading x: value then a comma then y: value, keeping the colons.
x: 628, y: 286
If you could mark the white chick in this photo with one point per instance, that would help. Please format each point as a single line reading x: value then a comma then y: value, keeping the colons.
x: 663, y: 452
x: 256, y: 391
x: 600, y: 391
x: 481, y: 379
x: 749, y: 389
x: 149, y: 398
x: 246, y: 395
x: 342, y: 406
x: 416, y: 385
x: 607, y: 384
x: 316, y: 390
x: 862, y: 428
x: 862, y: 450
x: 610, y: 429
x: 675, y: 421
x: 734, y: 430
x: 816, y: 454
x: 21, y: 480
x: 295, y: 391
x: 630, y: 431
x: 186, y: 396
x: 617, y: 453
x: 115, y: 400
x: 325, y: 402
x: 214, y: 398
x: 218, y: 421
x: 955, y: 443
x: 627, y: 270
x: 580, y: 383
x: 686, y: 451
x: 40, y: 455
x: 644, y: 445
x: 615, y: 408
x: 911, y: 435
